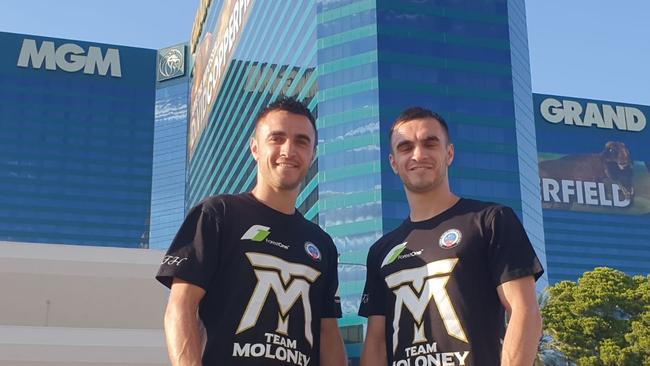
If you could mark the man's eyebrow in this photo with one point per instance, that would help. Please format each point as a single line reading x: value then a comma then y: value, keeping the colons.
x: 403, y: 143
x: 280, y: 133
x: 428, y: 139
x: 302, y: 136
x: 432, y: 138
x: 277, y: 133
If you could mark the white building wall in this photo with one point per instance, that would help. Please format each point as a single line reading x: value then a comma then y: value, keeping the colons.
x: 80, y: 306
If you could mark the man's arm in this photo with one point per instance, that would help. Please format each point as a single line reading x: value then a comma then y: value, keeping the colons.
x: 525, y: 325
x: 332, y: 351
x: 184, y: 340
x: 374, y: 347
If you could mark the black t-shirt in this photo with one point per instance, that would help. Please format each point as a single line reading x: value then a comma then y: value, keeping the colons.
x: 269, y: 279
x: 435, y: 281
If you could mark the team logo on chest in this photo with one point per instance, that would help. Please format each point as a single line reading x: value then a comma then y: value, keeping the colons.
x: 290, y: 282
x: 312, y: 251
x: 414, y: 288
x: 450, y: 239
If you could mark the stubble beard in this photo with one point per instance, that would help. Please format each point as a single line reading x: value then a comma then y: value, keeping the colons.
x: 424, y: 186
x: 276, y: 181
x: 288, y: 186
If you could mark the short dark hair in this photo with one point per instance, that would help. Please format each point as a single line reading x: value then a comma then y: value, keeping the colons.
x: 291, y: 105
x: 412, y: 113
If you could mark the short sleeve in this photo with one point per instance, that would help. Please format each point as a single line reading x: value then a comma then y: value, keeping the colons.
x: 373, y: 300
x: 192, y: 255
x: 511, y: 255
x: 332, y: 300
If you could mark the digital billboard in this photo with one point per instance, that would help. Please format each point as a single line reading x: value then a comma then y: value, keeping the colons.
x: 594, y: 156
x: 211, y: 59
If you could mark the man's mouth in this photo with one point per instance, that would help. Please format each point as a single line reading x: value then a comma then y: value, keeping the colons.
x: 286, y: 164
x: 420, y: 167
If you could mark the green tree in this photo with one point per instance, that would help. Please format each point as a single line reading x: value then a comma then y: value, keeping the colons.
x: 603, y: 319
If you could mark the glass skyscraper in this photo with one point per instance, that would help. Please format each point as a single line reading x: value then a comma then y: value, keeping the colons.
x: 267, y: 62
x: 170, y: 147
x: 76, y: 139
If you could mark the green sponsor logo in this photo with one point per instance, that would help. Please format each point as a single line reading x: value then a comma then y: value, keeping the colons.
x: 393, y: 254
x: 261, y: 235
x: 256, y: 233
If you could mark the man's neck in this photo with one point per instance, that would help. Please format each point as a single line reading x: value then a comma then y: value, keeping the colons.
x: 279, y: 200
x: 426, y: 205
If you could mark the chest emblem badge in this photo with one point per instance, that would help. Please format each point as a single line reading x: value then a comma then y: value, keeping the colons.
x: 312, y: 251
x: 450, y: 239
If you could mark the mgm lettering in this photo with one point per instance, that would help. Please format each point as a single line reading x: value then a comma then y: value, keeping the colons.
x: 70, y: 57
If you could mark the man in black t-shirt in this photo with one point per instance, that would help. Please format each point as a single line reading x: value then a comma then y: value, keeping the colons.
x: 438, y: 286
x: 260, y: 277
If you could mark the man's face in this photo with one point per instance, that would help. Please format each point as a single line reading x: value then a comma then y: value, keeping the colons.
x: 283, y: 147
x: 421, y: 154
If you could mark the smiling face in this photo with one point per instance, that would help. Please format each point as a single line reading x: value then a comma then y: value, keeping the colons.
x: 283, y: 147
x: 421, y: 154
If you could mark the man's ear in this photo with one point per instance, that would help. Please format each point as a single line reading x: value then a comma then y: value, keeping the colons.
x: 254, y: 148
x: 313, y: 158
x: 393, y: 164
x: 450, y: 154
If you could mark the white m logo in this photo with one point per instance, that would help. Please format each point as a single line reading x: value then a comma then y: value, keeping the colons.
x: 289, y: 281
x: 428, y: 282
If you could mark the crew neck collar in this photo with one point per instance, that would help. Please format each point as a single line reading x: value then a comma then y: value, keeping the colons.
x: 435, y: 217
x: 270, y: 209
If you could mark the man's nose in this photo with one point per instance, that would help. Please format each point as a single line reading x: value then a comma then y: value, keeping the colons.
x: 418, y: 152
x: 287, y: 148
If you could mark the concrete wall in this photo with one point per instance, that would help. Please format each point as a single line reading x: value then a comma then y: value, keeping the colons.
x: 77, y: 306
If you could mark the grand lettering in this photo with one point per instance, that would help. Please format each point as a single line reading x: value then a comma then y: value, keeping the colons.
x: 603, y: 116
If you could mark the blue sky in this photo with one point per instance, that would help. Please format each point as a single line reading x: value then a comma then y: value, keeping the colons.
x: 594, y: 49
x: 590, y: 48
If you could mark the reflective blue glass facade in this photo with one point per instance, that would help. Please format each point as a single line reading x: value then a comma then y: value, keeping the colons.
x: 76, y: 122
x: 169, y: 160
x: 466, y: 60
x: 531, y: 210
x: 361, y: 62
x: 350, y: 182
x: 259, y: 71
